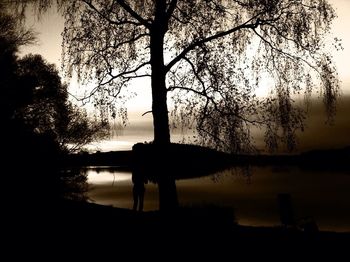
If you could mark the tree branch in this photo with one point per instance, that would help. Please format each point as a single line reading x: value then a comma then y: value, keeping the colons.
x: 290, y: 56
x: 216, y: 106
x: 171, y: 9
x: 113, y: 22
x: 172, y: 88
x: 196, y: 74
x: 136, y: 76
x: 195, y: 44
x: 135, y: 15
x: 123, y: 75
x: 147, y: 112
x: 133, y: 70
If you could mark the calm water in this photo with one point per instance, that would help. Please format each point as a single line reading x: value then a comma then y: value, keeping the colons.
x: 322, y: 195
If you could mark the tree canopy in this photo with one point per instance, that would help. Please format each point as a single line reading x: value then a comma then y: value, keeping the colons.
x: 34, y: 100
x: 211, y: 55
x: 49, y: 111
x: 38, y: 124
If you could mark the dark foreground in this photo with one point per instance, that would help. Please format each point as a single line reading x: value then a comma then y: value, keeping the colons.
x: 82, y: 228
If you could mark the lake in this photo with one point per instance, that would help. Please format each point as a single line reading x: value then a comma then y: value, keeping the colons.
x: 325, y: 196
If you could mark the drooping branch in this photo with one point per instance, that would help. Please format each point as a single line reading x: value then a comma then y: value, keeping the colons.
x: 291, y: 57
x: 203, y: 41
x: 124, y: 75
x: 197, y: 43
x: 109, y: 20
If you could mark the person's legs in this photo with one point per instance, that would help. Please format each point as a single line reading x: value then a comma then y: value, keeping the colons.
x: 141, y: 196
x: 135, y: 196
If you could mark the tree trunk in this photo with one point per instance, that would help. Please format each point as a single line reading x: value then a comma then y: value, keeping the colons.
x: 166, y: 183
x: 159, y: 105
x: 159, y: 92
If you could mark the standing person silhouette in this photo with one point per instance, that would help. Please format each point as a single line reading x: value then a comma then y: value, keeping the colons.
x: 138, y: 190
x: 139, y: 177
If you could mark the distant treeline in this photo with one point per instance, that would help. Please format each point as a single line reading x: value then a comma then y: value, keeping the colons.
x: 334, y: 159
x: 203, y: 160
x: 113, y: 158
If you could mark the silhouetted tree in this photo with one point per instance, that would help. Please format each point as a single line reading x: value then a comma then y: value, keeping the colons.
x: 211, y: 54
x: 12, y: 36
x: 214, y: 54
x: 50, y: 111
x: 38, y: 123
x: 24, y: 151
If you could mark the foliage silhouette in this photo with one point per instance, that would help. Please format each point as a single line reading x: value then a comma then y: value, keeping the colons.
x: 211, y: 55
x: 38, y: 122
x: 50, y: 111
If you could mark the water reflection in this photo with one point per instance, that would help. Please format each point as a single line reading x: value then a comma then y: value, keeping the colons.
x: 323, y: 196
x: 114, y: 187
x: 105, y: 176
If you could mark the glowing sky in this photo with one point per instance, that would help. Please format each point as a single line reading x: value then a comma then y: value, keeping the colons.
x: 51, y: 26
x: 49, y: 30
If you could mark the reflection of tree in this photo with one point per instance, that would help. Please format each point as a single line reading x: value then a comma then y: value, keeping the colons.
x: 73, y: 184
x: 175, y: 161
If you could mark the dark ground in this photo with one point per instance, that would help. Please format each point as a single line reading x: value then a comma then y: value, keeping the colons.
x: 66, y: 230
x: 81, y: 229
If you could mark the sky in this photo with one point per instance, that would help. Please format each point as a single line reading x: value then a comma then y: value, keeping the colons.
x: 49, y: 29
